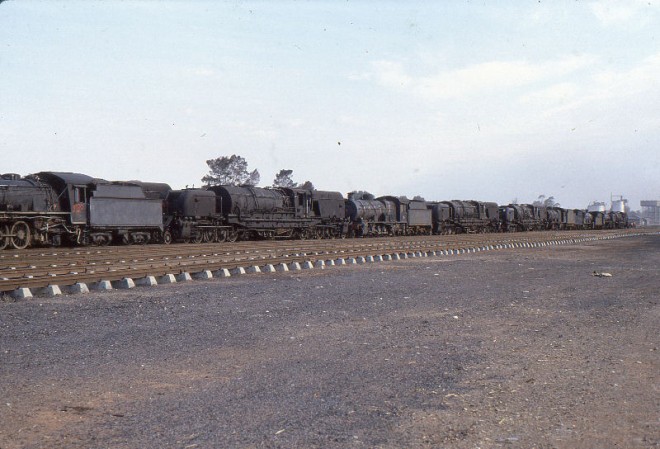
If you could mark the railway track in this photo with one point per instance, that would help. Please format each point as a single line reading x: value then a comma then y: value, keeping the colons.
x: 49, y: 271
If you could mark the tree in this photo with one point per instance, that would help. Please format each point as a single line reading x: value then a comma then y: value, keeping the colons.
x: 360, y: 195
x: 283, y: 179
x: 231, y: 170
x: 542, y: 201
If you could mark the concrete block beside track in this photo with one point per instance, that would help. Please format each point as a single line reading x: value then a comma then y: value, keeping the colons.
x: 78, y: 287
x: 124, y: 283
x: 49, y: 291
x: 254, y: 269
x: 183, y: 277
x: 269, y: 268
x: 319, y: 264
x: 203, y: 275
x: 167, y: 279
x: 102, y: 286
x: 307, y: 265
x: 21, y: 293
x: 282, y: 267
x: 147, y: 281
x: 238, y: 271
x: 222, y: 273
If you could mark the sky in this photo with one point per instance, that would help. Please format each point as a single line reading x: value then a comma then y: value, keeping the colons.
x: 486, y: 100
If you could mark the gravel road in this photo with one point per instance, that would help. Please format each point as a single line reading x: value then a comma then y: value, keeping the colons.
x: 511, y: 348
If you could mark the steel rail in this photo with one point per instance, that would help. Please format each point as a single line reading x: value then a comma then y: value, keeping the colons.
x: 38, y: 268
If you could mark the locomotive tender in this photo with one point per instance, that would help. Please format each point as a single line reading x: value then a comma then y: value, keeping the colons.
x: 57, y: 208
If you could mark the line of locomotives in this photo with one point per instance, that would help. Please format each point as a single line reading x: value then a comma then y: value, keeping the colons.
x: 56, y: 208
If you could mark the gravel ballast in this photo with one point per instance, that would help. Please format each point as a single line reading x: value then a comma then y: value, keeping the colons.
x: 512, y: 348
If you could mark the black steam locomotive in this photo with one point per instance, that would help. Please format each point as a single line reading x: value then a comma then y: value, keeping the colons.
x: 55, y: 208
x: 52, y: 208
x: 229, y: 213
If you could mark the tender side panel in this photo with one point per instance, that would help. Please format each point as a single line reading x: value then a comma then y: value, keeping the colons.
x: 125, y: 212
x: 419, y: 217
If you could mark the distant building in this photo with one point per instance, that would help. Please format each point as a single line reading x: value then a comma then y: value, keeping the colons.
x: 618, y: 204
x: 597, y: 206
x: 651, y: 212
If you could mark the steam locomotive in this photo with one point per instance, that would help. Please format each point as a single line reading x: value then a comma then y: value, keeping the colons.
x: 58, y: 208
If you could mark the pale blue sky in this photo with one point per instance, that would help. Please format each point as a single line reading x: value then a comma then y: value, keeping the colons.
x: 457, y: 99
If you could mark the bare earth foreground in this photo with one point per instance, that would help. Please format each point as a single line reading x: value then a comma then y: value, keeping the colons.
x: 510, y: 348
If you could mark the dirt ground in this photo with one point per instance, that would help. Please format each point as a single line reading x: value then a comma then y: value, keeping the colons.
x: 511, y: 348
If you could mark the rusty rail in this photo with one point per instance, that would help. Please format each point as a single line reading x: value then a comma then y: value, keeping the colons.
x: 39, y: 268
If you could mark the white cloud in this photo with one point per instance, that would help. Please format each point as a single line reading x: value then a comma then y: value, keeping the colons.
x: 364, y: 76
x: 391, y: 74
x: 477, y: 79
x: 624, y: 12
x: 605, y: 89
x: 200, y: 71
x: 557, y: 94
x: 645, y: 76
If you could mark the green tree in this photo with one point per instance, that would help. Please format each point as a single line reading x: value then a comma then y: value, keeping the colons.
x: 307, y: 185
x: 284, y: 179
x: 543, y: 201
x: 232, y: 170
x: 360, y: 195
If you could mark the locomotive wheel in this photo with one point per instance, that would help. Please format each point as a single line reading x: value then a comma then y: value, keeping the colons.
x: 220, y: 236
x: 20, y: 235
x: 167, y: 237
x: 140, y: 238
x: 4, y: 240
x: 232, y: 236
x: 101, y: 239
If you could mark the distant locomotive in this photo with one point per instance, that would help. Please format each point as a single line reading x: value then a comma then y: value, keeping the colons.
x: 522, y: 217
x: 56, y: 208
x: 455, y: 217
x: 386, y: 215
